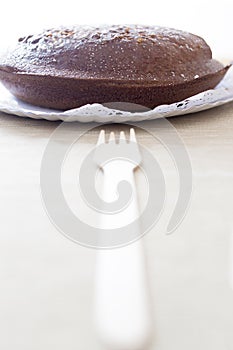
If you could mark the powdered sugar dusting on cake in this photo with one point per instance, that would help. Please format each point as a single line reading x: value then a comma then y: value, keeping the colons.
x: 132, y: 52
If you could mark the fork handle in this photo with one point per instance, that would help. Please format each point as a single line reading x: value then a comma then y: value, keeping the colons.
x: 121, y: 297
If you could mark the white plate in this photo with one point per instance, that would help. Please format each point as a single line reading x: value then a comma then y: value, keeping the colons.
x: 223, y: 93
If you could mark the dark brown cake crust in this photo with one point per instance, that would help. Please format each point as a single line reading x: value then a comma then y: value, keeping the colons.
x: 67, y: 68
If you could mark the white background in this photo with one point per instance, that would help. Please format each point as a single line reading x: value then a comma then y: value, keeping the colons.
x: 210, y: 19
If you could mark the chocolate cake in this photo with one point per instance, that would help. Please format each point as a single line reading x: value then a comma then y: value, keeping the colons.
x: 66, y: 68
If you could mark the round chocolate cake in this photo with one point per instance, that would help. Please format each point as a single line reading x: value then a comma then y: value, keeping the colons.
x: 66, y: 68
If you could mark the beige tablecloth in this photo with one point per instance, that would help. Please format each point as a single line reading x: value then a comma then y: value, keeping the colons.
x: 47, y: 281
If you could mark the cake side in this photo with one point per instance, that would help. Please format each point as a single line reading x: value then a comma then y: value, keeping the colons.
x: 68, y: 93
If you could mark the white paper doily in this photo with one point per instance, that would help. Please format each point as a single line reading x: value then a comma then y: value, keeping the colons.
x: 96, y: 112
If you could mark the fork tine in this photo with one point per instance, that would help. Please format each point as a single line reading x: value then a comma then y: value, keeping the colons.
x: 132, y: 136
x: 111, y: 137
x: 122, y: 137
x: 101, y: 138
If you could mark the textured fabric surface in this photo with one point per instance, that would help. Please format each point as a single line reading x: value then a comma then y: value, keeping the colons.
x: 47, y: 281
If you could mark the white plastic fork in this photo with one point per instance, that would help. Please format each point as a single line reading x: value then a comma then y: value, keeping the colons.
x: 122, y: 310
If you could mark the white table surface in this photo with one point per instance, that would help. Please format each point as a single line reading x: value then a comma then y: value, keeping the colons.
x: 46, y: 281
